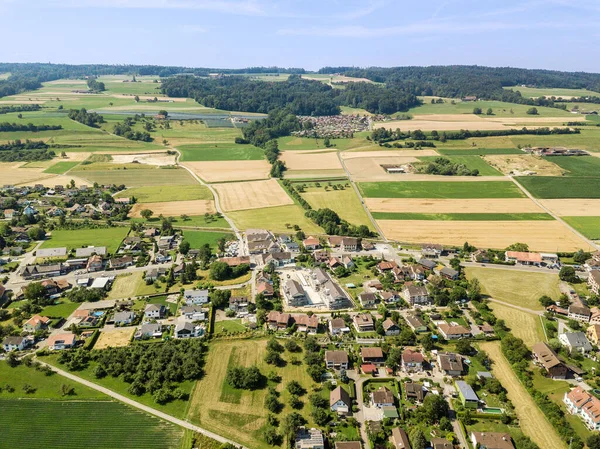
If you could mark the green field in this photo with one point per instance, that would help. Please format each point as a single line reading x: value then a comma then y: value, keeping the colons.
x: 167, y: 193
x: 220, y: 152
x: 499, y: 108
x: 277, y: 219
x: 61, y: 167
x: 291, y: 143
x: 531, y: 92
x: 193, y: 221
x: 588, y: 226
x: 140, y: 177
x: 477, y: 151
x: 79, y: 424
x: 461, y: 217
x: 548, y: 187
x: 440, y: 189
x: 200, y: 238
x: 580, y: 167
x: 109, y: 237
x: 587, y: 139
x: 229, y: 326
x: 472, y: 162
x: 62, y: 309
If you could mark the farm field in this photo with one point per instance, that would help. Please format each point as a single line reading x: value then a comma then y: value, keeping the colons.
x: 61, y: 167
x: 64, y: 425
x: 550, y: 187
x: 471, y: 162
x: 454, y: 206
x: 275, y: 219
x: 573, y: 207
x: 541, y: 235
x: 586, y: 140
x: 139, y: 178
x: 344, y: 202
x: 582, y: 166
x: 311, y: 160
x: 359, y: 141
x: 225, y: 171
x: 477, y: 151
x: 15, y: 173
x: 532, y: 421
x: 516, y: 287
x: 238, y: 413
x: 200, y: 238
x: 518, y: 164
x: 501, y: 110
x: 175, y: 208
x: 588, y: 226
x: 220, y: 152
x: 460, y: 217
x: 440, y: 189
x: 166, y: 193
x: 252, y: 195
x: 198, y: 133
x: 78, y: 238
x: 533, y: 92
x: 370, y: 168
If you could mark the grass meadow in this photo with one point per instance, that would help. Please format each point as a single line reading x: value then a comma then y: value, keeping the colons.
x: 580, y: 167
x: 220, y: 152
x: 500, y: 109
x: 193, y: 221
x: 477, y: 151
x: 200, y: 238
x: 277, y: 219
x: 61, y: 310
x: 109, y: 237
x: 548, y: 187
x: 588, y: 226
x: 440, y: 189
x: 139, y: 177
x: 532, y: 92
x: 61, y: 167
x: 167, y: 193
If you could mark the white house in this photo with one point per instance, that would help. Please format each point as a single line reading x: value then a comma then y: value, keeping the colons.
x: 195, y: 297
x: 185, y: 329
x: 155, y: 311
x: 339, y: 401
x: 14, y: 344
x: 575, y: 341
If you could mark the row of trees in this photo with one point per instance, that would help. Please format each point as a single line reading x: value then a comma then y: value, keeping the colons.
x: 25, y: 151
x: 30, y: 127
x: 19, y: 108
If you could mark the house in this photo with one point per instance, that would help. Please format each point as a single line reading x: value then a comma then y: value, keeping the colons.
x: 239, y: 304
x: 295, y: 294
x: 487, y: 330
x: 149, y: 330
x: 59, y: 342
x: 363, y: 322
x: 466, y: 394
x: 431, y: 250
x: 192, y: 313
x: 278, y: 320
x: 523, y: 258
x: 155, y: 311
x: 15, y: 343
x: 95, y: 263
x: 594, y: 315
x: 575, y: 341
x: 593, y: 333
x: 453, y: 331
x: 117, y: 263
x: 415, y: 323
x: 399, y: 439
x: 390, y: 328
x: 162, y: 257
x: 339, y: 401
x: 195, y: 297
x: 348, y: 445
x: 349, y: 244
x: 35, y: 323
x: 449, y: 273
x: 491, y: 440
x: 543, y: 355
x: 9, y: 214
x: 414, y: 391
x: 309, y: 439
x: 154, y: 273
x: 412, y: 361
x: 368, y: 300
x: 305, y: 323
x: 594, y: 281
x: 123, y: 318
x: 480, y: 256
x: 90, y: 251
x: 581, y: 403
x: 450, y: 363
x: 236, y: 261
x: 166, y: 242
x: 441, y: 443
x: 415, y: 294
x: 427, y: 264
x: 265, y: 289
x: 337, y: 326
x: 579, y: 312
x: 42, y: 271
x: 385, y: 266
x: 382, y: 397
x: 372, y: 355
x: 334, y: 296
x: 311, y: 243
x: 336, y: 359
x: 185, y: 329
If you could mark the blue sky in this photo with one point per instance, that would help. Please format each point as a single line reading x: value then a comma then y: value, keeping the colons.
x: 553, y: 34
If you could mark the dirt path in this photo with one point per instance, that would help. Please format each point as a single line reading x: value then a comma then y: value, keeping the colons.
x: 532, y: 421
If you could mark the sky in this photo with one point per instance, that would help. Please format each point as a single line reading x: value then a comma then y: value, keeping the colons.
x: 550, y: 34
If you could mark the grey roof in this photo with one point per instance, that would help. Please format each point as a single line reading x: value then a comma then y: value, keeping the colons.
x: 124, y: 316
x: 150, y: 328
x: 87, y: 252
x: 51, y: 252
x: 427, y: 263
x: 449, y: 272
x: 184, y: 325
x: 467, y: 392
x: 195, y: 293
x: 335, y: 291
x: 485, y: 374
x: 578, y: 340
x: 13, y: 341
x: 294, y: 288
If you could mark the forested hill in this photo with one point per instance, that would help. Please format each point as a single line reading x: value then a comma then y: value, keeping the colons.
x: 461, y: 81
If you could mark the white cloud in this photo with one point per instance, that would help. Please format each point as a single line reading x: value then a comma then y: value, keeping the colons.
x: 193, y: 29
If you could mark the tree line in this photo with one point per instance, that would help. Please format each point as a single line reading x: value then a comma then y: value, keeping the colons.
x: 19, y: 108
x: 25, y: 151
x: 91, y: 119
x: 30, y: 127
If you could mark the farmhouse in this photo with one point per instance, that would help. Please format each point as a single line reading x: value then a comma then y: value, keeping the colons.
x: 453, y: 331
x: 575, y: 341
x: 339, y: 401
x: 59, y: 342
x: 363, y: 322
x: 399, y: 439
x: 336, y: 359
x: 466, y: 394
x: 544, y: 356
x: 450, y: 363
x: 491, y: 440
x: 372, y: 355
x: 523, y: 258
x: 412, y: 361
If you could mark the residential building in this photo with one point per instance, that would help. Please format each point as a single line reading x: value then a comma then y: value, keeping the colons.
x: 337, y: 326
x: 155, y: 311
x: 382, y: 397
x: 368, y: 300
x: 523, y: 258
x: 593, y: 333
x: 415, y: 294
x: 348, y: 445
x: 305, y: 323
x: 363, y: 322
x: 295, y: 293
x: 384, y: 266
x: 59, y: 342
x: 575, y: 341
x: 594, y: 281
x: 428, y: 264
x: 414, y: 391
x: 449, y: 273
x: 491, y: 440
x: 415, y: 323
x: 340, y: 401
x: 149, y: 330
x: 195, y: 297
x: 123, y: 318
x: 349, y: 244
x: 399, y: 439
x: 441, y: 443
x: 372, y: 355
x: 390, y: 328
x: 480, y: 256
x: 336, y: 360
x: 412, y: 361
x: 42, y: 271
x: 450, y: 363
x: 117, y: 263
x: 192, y: 313
x: 453, y: 331
x: 278, y: 320
x: 265, y: 289
x: 466, y: 394
x: 579, y: 312
x: 15, y: 343
x: 431, y: 250
x: 309, y: 439
x: 544, y: 356
x: 581, y: 403
x: 35, y: 323
x: 166, y: 242
x: 95, y: 263
x: 311, y: 243
x: 239, y: 304
x: 186, y: 329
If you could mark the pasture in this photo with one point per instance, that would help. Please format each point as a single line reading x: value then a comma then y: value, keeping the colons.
x: 520, y: 164
x: 198, y: 239
x: 114, y: 338
x: 294, y: 143
x: 454, y: 206
x: 220, y: 152
x: 549, y: 187
x: 252, y: 195
x: 166, y: 193
x: 440, y: 189
x: 77, y: 424
x: 534, y: 92
x: 461, y: 217
x: 588, y: 226
x: 78, y: 238
x: 61, y: 168
x: 277, y: 219
x: 226, y: 171
x: 581, y: 167
x: 573, y: 207
x: 465, y: 108
x: 140, y: 177
x: 586, y: 140
x: 175, y: 208
x: 520, y: 288
x: 471, y: 162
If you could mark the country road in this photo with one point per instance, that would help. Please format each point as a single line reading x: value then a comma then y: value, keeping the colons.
x: 145, y: 408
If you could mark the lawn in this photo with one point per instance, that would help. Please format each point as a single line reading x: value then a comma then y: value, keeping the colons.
x: 472, y: 162
x: 162, y: 300
x: 220, y: 152
x: 61, y: 167
x: 125, y: 286
x: 140, y: 177
x: 78, y: 238
x: 548, y: 187
x: 77, y: 424
x: 516, y: 287
x: 277, y: 219
x: 440, y: 189
x: 60, y: 310
x: 532, y: 92
x: 193, y: 221
x: 582, y: 166
x: 460, y: 217
x: 229, y: 326
x: 167, y: 193
x: 588, y: 226
x: 200, y: 238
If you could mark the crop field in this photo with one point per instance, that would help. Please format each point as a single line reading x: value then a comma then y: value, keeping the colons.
x: 369, y: 168
x: 293, y: 143
x: 471, y: 162
x: 159, y: 194
x: 277, y: 219
x: 454, y: 206
x: 460, y: 217
x: 109, y: 237
x: 541, y: 235
x: 220, y: 152
x: 477, y: 151
x: 238, y: 413
x: 344, y: 202
x: 519, y: 164
x: 175, y: 208
x: 588, y: 226
x: 115, y: 338
x: 573, y: 207
x: 586, y: 140
x: 500, y: 109
x: 77, y: 424
x: 533, y: 92
x: 186, y: 133
x: 311, y: 160
x: 440, y: 189
x: 252, y: 195
x: 140, y: 177
x: 226, y: 171
x: 516, y: 287
x: 549, y: 187
x: 61, y: 167
x: 532, y: 421
x: 582, y: 166
x: 200, y: 238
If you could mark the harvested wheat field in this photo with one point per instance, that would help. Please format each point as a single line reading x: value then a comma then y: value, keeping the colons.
x: 551, y: 236
x: 573, y: 207
x: 61, y: 180
x: 521, y: 164
x: 224, y: 171
x: 251, y: 195
x: 12, y: 173
x: 160, y: 158
x: 523, y: 325
x: 369, y: 169
x: 532, y: 421
x: 78, y: 156
x: 114, y: 338
x: 175, y: 208
x: 310, y: 160
x: 449, y: 206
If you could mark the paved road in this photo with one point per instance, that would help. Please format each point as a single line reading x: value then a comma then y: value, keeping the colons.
x: 145, y: 408
x: 360, y: 418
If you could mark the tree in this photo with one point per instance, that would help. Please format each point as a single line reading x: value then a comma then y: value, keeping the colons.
x: 295, y: 402
x: 164, y: 113
x: 184, y: 217
x: 427, y: 342
x: 274, y: 345
x: 273, y: 358
x: 146, y: 214
x: 272, y: 438
x: 184, y: 247
x: 489, y: 112
x: 12, y: 360
x: 320, y: 416
x: 520, y: 247
x: 417, y: 439
x: 546, y: 301
x: 292, y: 346
x: 593, y: 442
x: 136, y: 99
x: 464, y: 347
x: 220, y: 271
x: 435, y: 408
x: 295, y: 388
x: 36, y: 233
x: 568, y: 274
x: 532, y: 111
x: 35, y: 292
x: 477, y: 111
x: 394, y: 358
